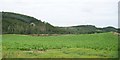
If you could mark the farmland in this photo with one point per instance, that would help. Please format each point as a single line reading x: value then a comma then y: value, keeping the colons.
x: 99, y: 45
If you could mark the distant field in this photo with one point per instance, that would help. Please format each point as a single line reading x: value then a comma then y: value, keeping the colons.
x: 102, y: 45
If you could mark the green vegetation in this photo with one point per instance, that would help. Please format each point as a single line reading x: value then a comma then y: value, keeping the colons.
x: 0, y: 46
x: 100, y: 45
x: 14, y: 23
x: 27, y: 37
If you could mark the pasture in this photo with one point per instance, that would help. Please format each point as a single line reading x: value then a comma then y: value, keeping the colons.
x: 99, y: 45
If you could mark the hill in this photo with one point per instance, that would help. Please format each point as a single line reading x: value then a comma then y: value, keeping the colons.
x: 22, y: 24
x: 14, y: 23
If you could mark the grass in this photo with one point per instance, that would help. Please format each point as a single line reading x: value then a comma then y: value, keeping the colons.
x: 102, y: 45
x: 0, y: 46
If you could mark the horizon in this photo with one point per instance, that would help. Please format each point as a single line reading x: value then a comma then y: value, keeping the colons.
x: 61, y: 26
x: 65, y: 13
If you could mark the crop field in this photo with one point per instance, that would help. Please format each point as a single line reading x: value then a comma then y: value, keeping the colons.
x: 99, y: 45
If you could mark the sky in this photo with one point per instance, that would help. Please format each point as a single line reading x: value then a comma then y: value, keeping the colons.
x: 101, y: 13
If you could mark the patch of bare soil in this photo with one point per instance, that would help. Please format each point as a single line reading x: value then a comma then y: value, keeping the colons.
x: 45, y: 34
x: 115, y: 33
x: 35, y: 51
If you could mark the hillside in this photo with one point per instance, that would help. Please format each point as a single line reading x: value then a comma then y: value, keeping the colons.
x: 22, y: 24
x: 14, y: 23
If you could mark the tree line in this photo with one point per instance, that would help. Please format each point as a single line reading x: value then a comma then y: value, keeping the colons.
x: 14, y: 23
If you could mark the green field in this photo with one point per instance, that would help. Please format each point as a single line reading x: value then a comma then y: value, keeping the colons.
x: 0, y: 46
x: 101, y: 45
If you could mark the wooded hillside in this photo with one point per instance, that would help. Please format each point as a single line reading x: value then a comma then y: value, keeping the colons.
x: 14, y: 23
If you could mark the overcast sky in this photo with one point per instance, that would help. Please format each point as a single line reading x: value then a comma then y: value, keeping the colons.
x: 100, y: 13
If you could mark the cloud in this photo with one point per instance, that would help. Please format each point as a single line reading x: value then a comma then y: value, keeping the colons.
x: 67, y: 12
